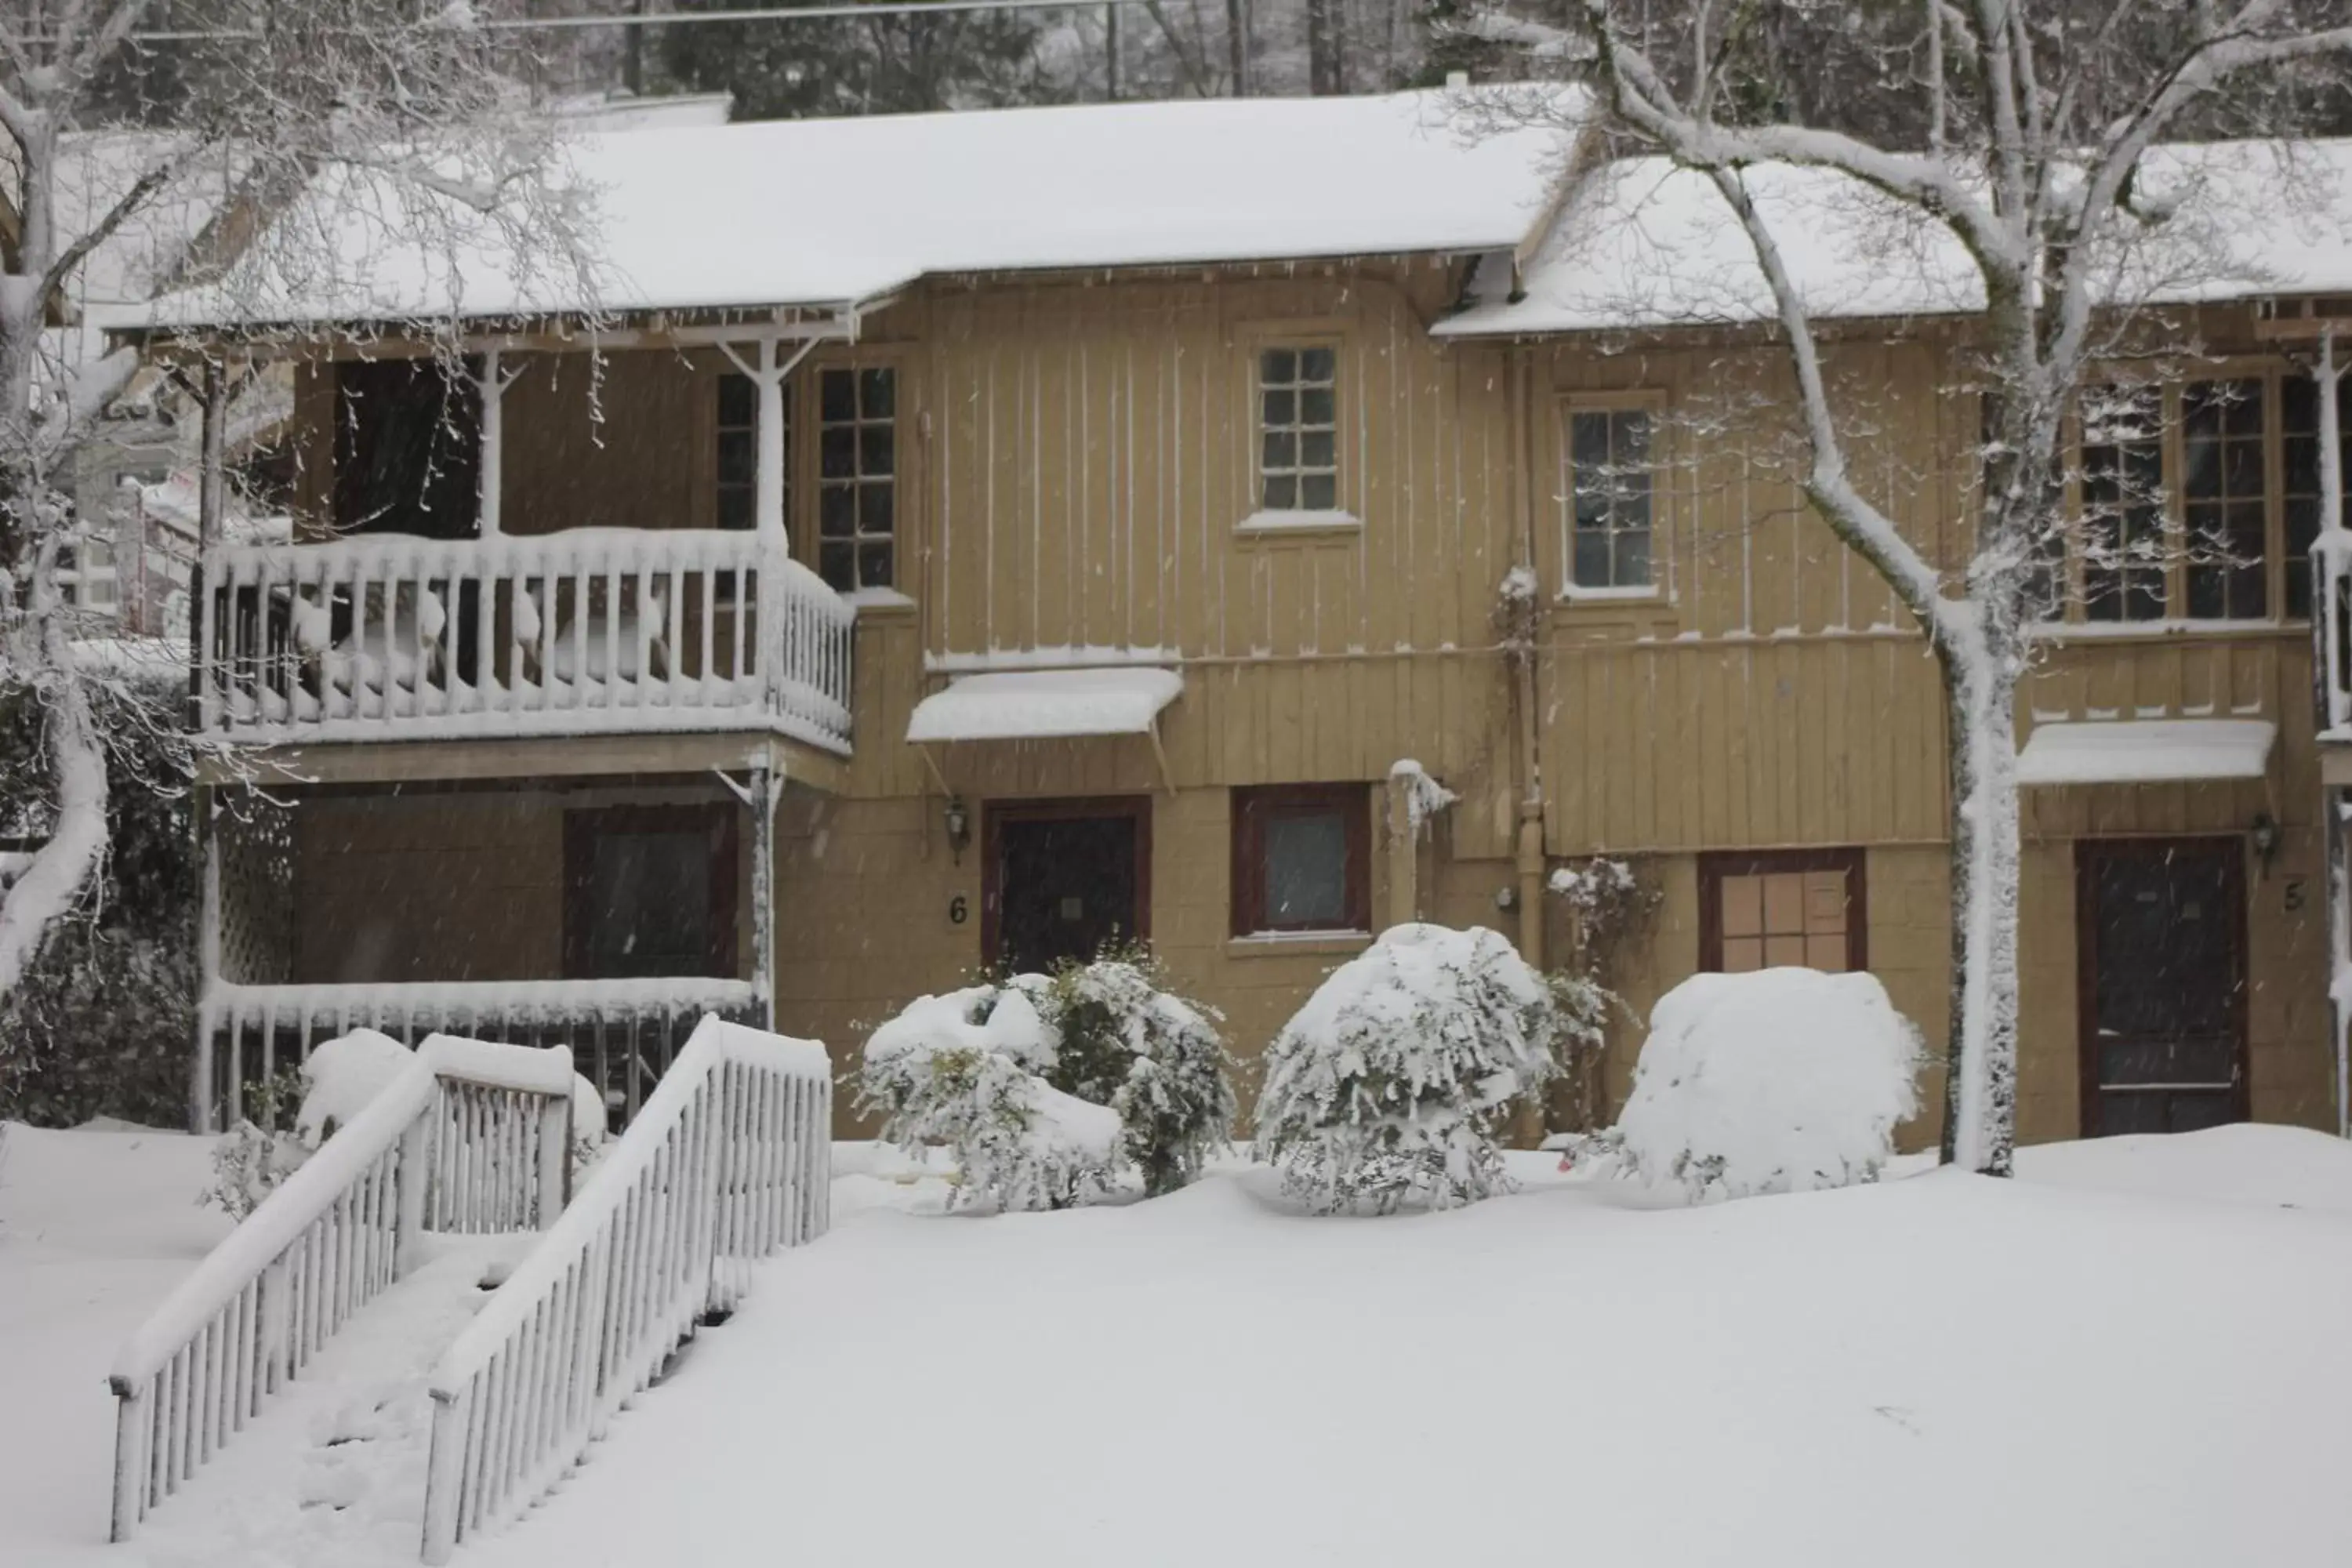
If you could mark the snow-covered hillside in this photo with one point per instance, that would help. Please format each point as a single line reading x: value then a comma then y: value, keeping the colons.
x: 2132, y: 1355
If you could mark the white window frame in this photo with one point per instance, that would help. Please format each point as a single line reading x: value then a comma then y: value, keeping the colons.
x: 1651, y: 407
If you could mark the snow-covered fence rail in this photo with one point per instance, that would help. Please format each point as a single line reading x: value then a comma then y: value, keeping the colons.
x: 469, y: 1137
x: 587, y: 631
x: 727, y: 1161
x: 623, y: 1034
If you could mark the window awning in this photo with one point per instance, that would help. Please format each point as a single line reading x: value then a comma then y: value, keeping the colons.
x: 1045, y: 705
x: 2145, y: 751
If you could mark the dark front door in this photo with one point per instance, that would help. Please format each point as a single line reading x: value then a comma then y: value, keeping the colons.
x: 2163, y: 928
x: 1064, y: 877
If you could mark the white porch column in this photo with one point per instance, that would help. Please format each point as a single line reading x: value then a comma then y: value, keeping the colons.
x: 2331, y: 560
x: 763, y: 894
x: 768, y: 498
x: 493, y: 386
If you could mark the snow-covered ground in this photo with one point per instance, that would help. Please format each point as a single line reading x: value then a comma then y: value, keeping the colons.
x: 2135, y: 1354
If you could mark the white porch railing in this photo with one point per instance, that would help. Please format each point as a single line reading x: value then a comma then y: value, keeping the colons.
x: 589, y: 631
x: 470, y: 1137
x: 726, y: 1162
x: 622, y: 1034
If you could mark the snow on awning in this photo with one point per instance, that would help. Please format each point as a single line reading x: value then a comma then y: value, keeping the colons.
x: 1044, y: 705
x: 2145, y: 751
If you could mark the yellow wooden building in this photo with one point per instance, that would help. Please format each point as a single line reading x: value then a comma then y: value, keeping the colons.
x: 1076, y: 549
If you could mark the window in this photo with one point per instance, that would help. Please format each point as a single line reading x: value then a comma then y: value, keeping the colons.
x: 1298, y: 429
x: 407, y: 449
x: 739, y: 452
x: 2123, y: 505
x: 1785, y: 908
x: 1302, y: 858
x: 651, y: 892
x: 857, y: 467
x: 86, y: 575
x: 1608, y: 489
x: 2299, y: 417
x: 2225, y: 508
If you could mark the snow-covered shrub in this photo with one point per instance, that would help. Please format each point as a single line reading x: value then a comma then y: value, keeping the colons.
x: 257, y: 1153
x: 963, y: 1070
x: 1780, y: 1080
x: 1122, y: 1039
x: 1394, y: 1078
x: 340, y: 1075
x: 1051, y: 1089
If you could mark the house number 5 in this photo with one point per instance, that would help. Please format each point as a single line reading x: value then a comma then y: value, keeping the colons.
x: 2295, y: 894
x: 958, y: 910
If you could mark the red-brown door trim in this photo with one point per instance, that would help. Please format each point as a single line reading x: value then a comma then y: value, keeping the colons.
x: 994, y: 814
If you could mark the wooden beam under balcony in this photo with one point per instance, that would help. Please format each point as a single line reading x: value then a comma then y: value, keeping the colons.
x: 534, y: 756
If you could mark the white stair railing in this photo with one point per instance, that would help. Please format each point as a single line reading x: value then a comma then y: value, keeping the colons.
x: 727, y: 1161
x: 470, y: 1138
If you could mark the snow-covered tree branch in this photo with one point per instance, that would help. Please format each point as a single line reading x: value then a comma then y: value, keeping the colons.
x: 421, y: 112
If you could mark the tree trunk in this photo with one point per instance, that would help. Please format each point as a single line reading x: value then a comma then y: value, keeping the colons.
x: 1980, y: 1082
x: 78, y: 763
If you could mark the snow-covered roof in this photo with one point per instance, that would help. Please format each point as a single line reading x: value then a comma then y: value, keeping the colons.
x: 835, y: 212
x: 1044, y: 704
x: 2145, y: 751
x: 1641, y: 243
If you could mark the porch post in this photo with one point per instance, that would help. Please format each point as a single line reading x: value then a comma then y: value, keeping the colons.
x: 208, y: 955
x: 768, y: 498
x: 493, y: 386
x: 2331, y: 562
x: 763, y: 894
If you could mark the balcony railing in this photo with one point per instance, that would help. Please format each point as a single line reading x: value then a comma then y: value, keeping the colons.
x: 585, y: 632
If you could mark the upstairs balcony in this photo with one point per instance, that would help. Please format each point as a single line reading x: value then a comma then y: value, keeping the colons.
x: 533, y: 544
x: 591, y: 631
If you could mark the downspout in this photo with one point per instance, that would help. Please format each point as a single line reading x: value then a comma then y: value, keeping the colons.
x: 1523, y: 659
x: 2331, y: 562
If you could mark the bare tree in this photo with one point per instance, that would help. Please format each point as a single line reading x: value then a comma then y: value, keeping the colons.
x: 416, y: 114
x: 2032, y: 160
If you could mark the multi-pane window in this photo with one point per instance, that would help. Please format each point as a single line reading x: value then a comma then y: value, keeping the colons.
x: 738, y: 451
x: 2299, y: 418
x: 856, y: 476
x: 1768, y: 911
x: 1298, y: 429
x: 2123, y: 507
x: 2224, y: 505
x: 1302, y: 856
x: 1608, y: 489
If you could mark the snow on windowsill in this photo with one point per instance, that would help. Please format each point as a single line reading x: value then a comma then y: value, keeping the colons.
x: 1293, y: 521
x: 1294, y: 943
x: 1572, y: 596
x: 2097, y: 631
x: 880, y: 601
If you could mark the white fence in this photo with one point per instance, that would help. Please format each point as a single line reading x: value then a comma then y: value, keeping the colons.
x: 470, y: 1137
x: 727, y: 1161
x: 587, y: 631
x: 623, y: 1034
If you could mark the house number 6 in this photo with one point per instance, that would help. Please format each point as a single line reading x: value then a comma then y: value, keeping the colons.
x: 958, y: 910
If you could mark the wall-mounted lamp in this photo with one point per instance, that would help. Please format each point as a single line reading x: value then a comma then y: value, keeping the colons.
x: 2265, y: 835
x: 957, y: 818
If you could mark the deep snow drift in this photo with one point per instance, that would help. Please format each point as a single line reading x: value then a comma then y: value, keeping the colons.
x: 2133, y: 1356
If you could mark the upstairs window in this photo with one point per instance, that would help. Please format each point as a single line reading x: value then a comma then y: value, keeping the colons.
x: 2225, y: 506
x: 1302, y: 859
x: 2299, y: 417
x: 2124, y: 547
x: 1608, y: 494
x: 857, y: 467
x: 739, y: 452
x: 1298, y: 429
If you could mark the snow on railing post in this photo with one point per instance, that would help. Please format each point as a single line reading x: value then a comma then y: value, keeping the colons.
x: 554, y: 1158
x: 415, y: 1174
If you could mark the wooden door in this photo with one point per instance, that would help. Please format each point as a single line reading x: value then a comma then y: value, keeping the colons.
x: 1063, y: 880
x: 2162, y: 928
